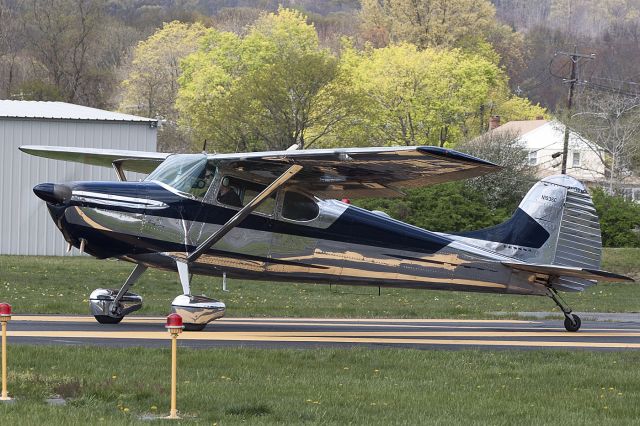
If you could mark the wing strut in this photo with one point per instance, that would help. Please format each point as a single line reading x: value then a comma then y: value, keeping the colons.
x: 243, y: 213
x: 117, y: 167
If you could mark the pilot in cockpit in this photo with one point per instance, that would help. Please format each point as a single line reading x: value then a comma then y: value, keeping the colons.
x: 228, y: 194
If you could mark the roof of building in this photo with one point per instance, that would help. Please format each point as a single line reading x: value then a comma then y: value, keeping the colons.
x: 520, y: 127
x: 62, y: 111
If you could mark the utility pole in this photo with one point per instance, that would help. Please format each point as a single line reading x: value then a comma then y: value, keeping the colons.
x: 575, y: 58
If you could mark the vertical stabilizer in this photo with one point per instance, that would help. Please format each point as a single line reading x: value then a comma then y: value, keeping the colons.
x: 555, y: 224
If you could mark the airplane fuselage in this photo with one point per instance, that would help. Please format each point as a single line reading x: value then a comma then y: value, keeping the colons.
x: 150, y: 223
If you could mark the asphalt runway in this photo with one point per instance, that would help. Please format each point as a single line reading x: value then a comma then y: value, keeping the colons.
x: 313, y: 333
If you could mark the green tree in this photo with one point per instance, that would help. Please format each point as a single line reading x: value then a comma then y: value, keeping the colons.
x: 619, y: 219
x: 270, y: 89
x: 426, y: 97
x: 448, y: 207
x: 151, y: 85
x: 467, y: 24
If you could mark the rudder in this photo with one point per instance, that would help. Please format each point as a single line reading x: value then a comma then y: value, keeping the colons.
x: 556, y: 223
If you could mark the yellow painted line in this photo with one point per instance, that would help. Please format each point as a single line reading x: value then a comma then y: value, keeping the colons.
x: 82, y: 318
x: 56, y: 318
x: 212, y: 335
x: 222, y: 335
x: 328, y: 323
x: 159, y: 335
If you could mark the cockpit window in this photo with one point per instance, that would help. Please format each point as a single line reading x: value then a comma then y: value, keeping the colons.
x: 188, y: 173
x: 238, y: 192
x: 297, y: 206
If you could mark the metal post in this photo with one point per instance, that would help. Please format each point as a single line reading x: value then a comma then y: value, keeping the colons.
x: 174, y: 326
x: 5, y: 316
x: 4, y: 397
x: 224, y: 281
x: 174, y: 371
x: 572, y: 83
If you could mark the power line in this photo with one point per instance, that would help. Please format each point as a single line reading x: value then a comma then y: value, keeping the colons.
x: 539, y: 83
x: 611, y: 89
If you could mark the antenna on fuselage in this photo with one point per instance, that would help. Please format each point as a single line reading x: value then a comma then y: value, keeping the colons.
x: 204, y: 147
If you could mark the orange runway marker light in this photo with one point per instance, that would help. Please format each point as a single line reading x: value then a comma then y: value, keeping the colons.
x: 174, y: 326
x: 5, y: 316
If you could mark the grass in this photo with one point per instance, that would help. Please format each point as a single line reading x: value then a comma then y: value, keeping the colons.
x: 62, y: 285
x: 358, y: 386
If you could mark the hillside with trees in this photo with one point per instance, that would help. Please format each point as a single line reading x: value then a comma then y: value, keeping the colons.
x: 240, y: 75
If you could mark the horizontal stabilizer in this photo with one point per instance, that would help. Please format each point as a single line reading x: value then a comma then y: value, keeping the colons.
x: 569, y: 271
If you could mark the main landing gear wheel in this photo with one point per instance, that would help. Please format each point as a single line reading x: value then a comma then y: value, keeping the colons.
x: 106, y: 319
x: 194, y: 327
x: 572, y: 323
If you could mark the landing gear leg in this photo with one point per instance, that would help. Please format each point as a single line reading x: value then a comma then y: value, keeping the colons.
x: 571, y: 321
x: 196, y: 311
x: 107, y: 308
x: 185, y: 281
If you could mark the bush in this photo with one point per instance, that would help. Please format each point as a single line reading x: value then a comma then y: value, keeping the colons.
x: 448, y: 207
x: 619, y: 219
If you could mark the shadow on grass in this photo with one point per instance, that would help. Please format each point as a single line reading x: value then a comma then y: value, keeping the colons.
x: 249, y: 410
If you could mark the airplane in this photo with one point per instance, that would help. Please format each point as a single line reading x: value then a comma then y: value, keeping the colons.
x: 276, y: 216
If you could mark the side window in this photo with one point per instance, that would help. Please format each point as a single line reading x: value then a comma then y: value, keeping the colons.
x: 238, y: 192
x: 297, y: 206
x: 201, y: 183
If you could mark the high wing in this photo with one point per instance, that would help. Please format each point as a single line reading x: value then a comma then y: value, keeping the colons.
x: 134, y: 161
x: 328, y: 173
x: 364, y: 172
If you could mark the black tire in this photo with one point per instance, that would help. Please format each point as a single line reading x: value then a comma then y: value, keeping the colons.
x: 194, y: 327
x: 572, y: 325
x: 106, y: 319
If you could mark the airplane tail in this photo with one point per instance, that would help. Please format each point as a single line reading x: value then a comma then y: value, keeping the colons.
x: 555, y: 224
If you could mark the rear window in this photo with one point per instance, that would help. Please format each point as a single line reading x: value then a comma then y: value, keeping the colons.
x: 239, y: 192
x: 297, y: 206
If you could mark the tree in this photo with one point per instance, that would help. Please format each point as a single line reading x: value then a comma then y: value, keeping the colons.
x: 62, y: 35
x: 506, y: 188
x: 10, y: 45
x: 467, y: 24
x: 611, y: 121
x: 619, y: 219
x: 151, y: 86
x: 270, y: 89
x: 447, y: 207
x: 426, y: 97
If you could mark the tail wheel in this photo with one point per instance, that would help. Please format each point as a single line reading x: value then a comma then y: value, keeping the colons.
x: 194, y: 327
x: 572, y: 325
x: 106, y: 319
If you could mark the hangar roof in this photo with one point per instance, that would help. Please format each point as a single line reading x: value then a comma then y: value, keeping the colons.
x: 62, y: 111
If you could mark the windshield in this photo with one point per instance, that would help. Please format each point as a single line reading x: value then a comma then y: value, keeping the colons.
x: 190, y: 173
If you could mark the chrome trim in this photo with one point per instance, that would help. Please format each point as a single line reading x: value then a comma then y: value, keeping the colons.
x: 101, y: 298
x: 116, y: 200
x: 197, y: 309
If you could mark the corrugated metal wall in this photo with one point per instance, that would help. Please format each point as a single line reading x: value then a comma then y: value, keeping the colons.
x: 25, y: 225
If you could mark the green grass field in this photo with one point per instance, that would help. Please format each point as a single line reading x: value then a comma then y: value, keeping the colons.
x: 359, y: 386
x: 62, y: 285
x: 326, y: 386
